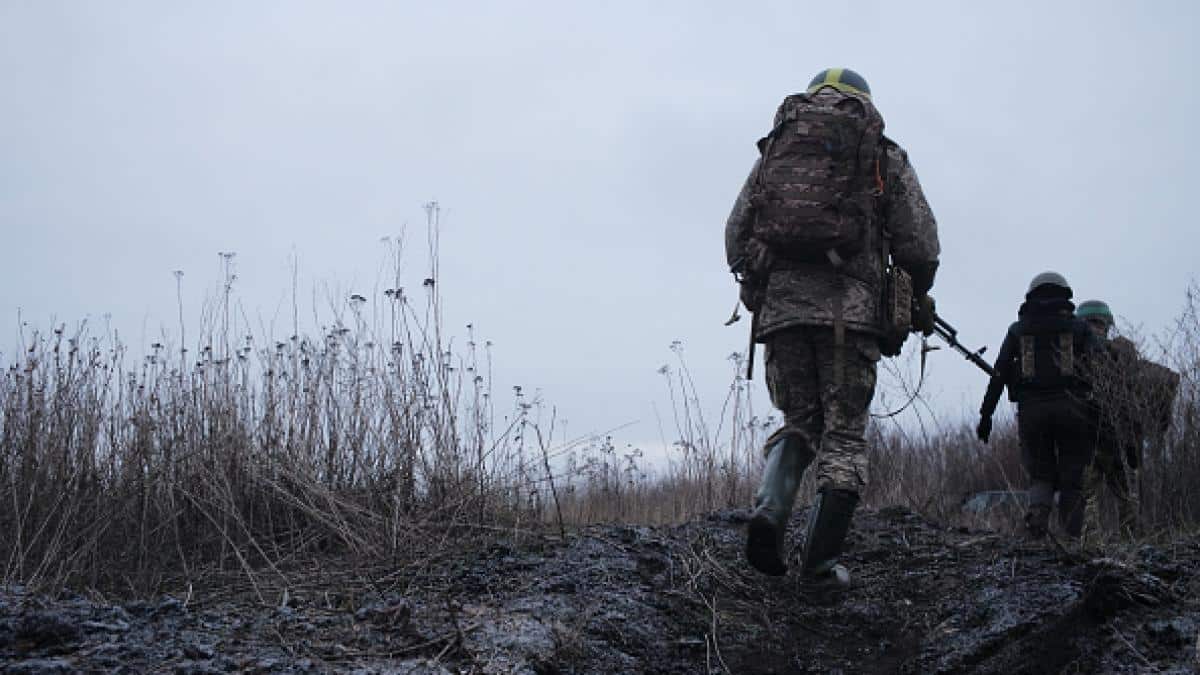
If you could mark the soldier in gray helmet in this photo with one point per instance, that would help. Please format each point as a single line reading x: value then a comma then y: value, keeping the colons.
x: 1045, y: 362
x: 827, y: 204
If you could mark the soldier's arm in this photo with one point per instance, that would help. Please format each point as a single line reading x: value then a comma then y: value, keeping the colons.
x: 741, y: 219
x: 1003, y: 368
x: 915, y: 244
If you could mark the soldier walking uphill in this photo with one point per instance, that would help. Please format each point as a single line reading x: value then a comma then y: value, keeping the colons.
x: 1134, y: 397
x: 1044, y: 361
x: 1119, y: 440
x: 827, y: 204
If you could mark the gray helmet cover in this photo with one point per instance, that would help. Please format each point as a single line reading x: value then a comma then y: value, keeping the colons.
x: 1049, y: 278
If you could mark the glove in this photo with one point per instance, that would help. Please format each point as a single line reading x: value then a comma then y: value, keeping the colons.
x: 923, y: 317
x: 891, y: 344
x: 984, y: 430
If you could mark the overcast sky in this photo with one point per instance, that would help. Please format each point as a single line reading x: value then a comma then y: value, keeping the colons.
x: 586, y: 156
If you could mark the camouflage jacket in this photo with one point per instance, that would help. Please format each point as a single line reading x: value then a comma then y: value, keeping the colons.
x: 1135, y: 395
x: 1115, y: 391
x: 800, y: 294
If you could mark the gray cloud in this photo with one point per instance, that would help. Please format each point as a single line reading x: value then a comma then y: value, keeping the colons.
x: 587, y: 156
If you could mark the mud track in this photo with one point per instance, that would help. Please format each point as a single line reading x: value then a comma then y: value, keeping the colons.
x: 617, y: 599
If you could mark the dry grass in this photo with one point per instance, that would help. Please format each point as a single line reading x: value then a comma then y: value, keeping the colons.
x: 712, y: 466
x: 250, y: 454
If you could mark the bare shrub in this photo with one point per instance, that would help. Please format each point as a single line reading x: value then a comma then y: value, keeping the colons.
x: 372, y: 440
x: 377, y: 442
x: 1171, y: 459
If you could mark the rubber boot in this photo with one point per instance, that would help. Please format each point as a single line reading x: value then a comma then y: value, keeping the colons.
x: 787, y: 458
x: 1037, y: 518
x: 828, y: 524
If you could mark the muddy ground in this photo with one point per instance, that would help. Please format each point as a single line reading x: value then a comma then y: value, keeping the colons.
x: 618, y: 599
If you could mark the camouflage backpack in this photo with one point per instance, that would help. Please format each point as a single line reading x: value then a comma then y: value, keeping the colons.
x: 817, y: 183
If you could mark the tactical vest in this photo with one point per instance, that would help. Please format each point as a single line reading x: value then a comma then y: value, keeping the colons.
x: 1049, y: 354
x: 819, y: 177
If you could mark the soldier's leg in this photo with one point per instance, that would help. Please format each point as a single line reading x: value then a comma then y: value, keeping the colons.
x: 1120, y: 483
x: 1097, y: 476
x: 1037, y: 452
x: 847, y: 381
x: 791, y: 379
x: 1076, y: 450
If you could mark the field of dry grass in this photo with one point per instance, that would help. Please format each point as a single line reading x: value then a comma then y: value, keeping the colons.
x: 242, y: 453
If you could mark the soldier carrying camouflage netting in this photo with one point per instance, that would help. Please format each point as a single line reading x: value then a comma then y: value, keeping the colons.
x: 1134, y: 398
x: 828, y: 207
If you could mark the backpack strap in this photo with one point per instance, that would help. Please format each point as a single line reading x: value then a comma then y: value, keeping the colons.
x: 1066, y: 354
x: 1028, y: 369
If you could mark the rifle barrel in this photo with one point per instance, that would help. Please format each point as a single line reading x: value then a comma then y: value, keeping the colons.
x: 950, y: 336
x: 941, y: 323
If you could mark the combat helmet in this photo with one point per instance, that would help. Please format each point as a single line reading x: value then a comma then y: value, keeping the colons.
x: 1051, y: 279
x: 842, y: 79
x: 1095, y: 309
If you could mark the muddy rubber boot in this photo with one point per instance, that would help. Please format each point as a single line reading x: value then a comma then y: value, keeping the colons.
x: 1037, y: 521
x: 787, y: 458
x: 828, y: 524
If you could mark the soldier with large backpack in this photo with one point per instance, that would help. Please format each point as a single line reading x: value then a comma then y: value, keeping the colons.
x: 1120, y: 432
x: 1046, y: 363
x: 830, y: 210
x: 1134, y: 399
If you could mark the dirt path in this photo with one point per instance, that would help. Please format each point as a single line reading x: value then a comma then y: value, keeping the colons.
x: 664, y: 600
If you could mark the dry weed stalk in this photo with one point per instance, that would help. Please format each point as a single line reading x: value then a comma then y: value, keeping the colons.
x: 250, y: 451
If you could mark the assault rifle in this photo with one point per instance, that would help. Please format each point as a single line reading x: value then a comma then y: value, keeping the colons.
x: 949, y: 335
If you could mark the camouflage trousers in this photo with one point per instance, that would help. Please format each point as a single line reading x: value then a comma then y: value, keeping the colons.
x: 824, y: 392
x: 1110, y: 470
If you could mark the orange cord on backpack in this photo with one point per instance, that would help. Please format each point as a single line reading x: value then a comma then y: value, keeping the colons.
x: 878, y: 178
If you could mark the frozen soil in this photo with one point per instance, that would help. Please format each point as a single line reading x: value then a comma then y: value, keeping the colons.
x: 677, y: 599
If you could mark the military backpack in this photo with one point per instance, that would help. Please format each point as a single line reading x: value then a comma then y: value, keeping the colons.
x: 819, y: 177
x: 1050, y: 353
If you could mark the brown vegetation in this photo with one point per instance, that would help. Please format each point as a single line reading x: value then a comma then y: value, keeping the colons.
x: 253, y: 452
x: 377, y: 440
